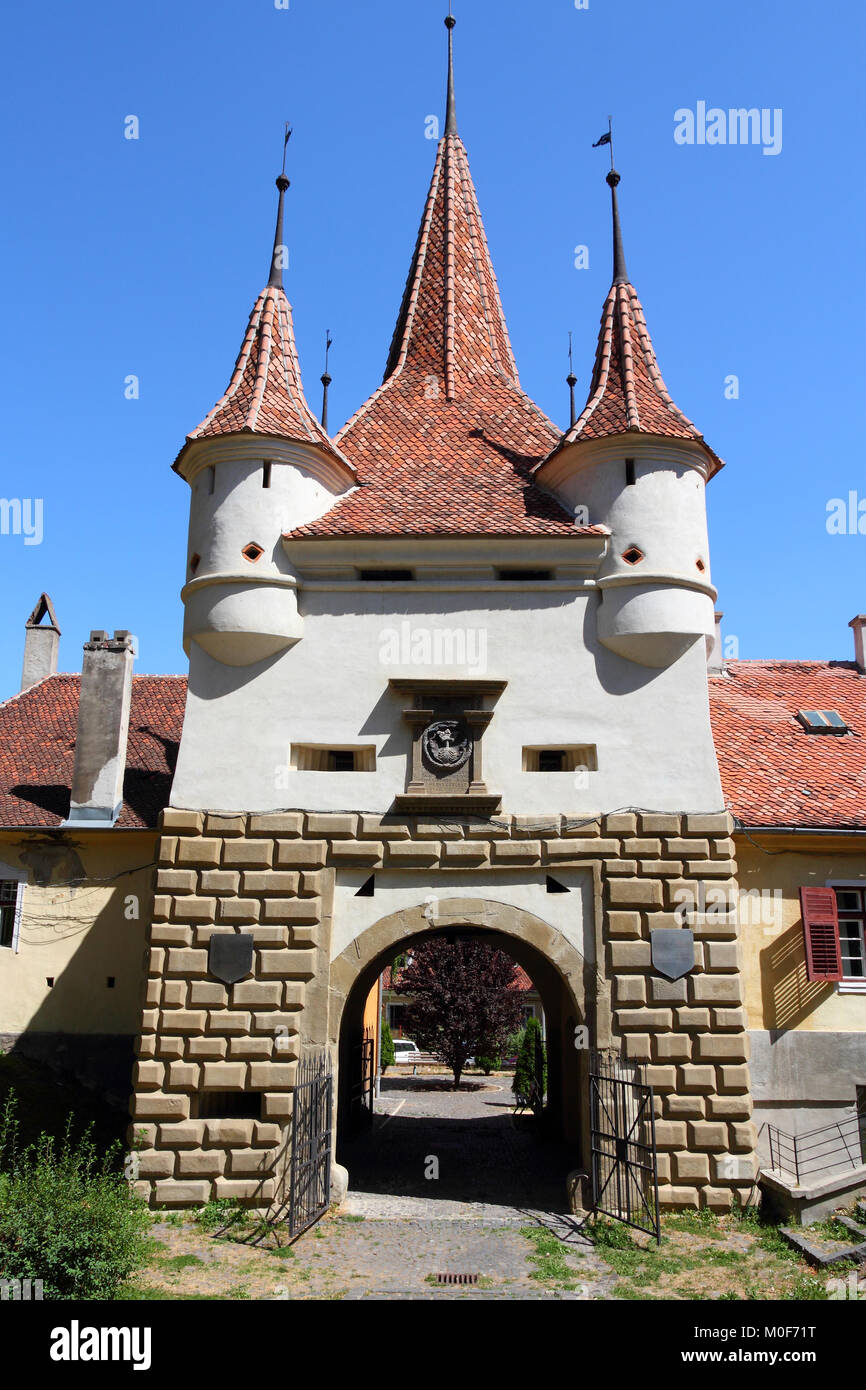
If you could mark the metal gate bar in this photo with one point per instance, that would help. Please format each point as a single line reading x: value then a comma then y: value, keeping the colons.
x: 310, y: 1162
x: 623, y: 1143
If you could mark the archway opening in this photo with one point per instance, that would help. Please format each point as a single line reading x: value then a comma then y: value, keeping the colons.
x: 417, y: 1139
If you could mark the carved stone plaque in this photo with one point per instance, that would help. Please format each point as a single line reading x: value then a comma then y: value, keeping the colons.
x: 230, y: 958
x: 673, y: 951
x: 446, y: 744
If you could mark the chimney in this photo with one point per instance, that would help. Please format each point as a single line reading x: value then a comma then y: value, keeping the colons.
x: 103, y: 725
x: 40, y: 644
x: 715, y: 661
x: 858, y: 624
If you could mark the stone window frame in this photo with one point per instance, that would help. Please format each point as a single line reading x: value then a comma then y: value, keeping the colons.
x: 478, y: 799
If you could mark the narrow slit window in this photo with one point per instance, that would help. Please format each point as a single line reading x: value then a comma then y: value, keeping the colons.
x: 211, y: 480
x: 525, y: 576
x: 9, y: 898
x: 385, y: 576
x: 629, y: 473
x: 266, y: 475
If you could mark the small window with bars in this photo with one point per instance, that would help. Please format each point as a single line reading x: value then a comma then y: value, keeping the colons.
x: 9, y: 890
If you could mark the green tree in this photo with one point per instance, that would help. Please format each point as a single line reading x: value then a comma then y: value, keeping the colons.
x: 387, y: 1055
x: 525, y: 1072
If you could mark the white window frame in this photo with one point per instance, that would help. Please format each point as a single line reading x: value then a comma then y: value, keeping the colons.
x: 851, y: 985
x: 19, y: 876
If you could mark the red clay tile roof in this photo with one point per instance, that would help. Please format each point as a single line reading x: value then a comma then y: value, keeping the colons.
x: 265, y: 395
x: 37, y: 750
x: 628, y: 394
x: 447, y: 444
x: 773, y: 771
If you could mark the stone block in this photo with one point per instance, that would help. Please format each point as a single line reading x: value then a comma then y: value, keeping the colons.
x: 224, y: 825
x: 161, y: 909
x: 671, y: 1134
x: 183, y: 1076
x: 457, y: 852
x: 224, y: 1076
x: 733, y: 1078
x: 170, y: 1193
x: 731, y: 1020
x: 727, y: 1047
x: 291, y: 910
x: 630, y: 989
x: 711, y: 868
x: 243, y: 1161
x: 271, y: 882
x: 273, y: 1076
x: 721, y: 955
x: 154, y: 1105
x: 716, y: 989
x: 214, y: 1048
x: 176, y: 880
x: 576, y: 847
x: 208, y: 993
x: 220, y: 881
x: 167, y: 851
x: 186, y: 1134
x: 718, y: 823
x: 155, y: 1164
x: 259, y: 993
x: 516, y: 851
x: 195, y: 1163
x: 278, y: 1105
x: 248, y: 854
x: 697, y: 1078
x: 165, y: 934
x: 267, y: 1135
x: 620, y: 823
x: 642, y: 848
x: 156, y: 961
x: 228, y: 1133
x: 424, y: 855
x: 278, y: 823
x: 228, y: 1021
x: 334, y: 825
x: 677, y: 847
x: 667, y: 991
x: 257, y: 1190
x: 656, y: 823
x: 723, y: 848
x: 251, y: 1049
x: 634, y: 892
x: 168, y: 1047
x: 174, y: 993
x: 733, y: 1168
x: 185, y: 822
x: 693, y: 1019
x: 367, y: 852
x: 301, y: 963
x: 271, y: 935
x: 624, y: 924
x: 691, y: 1167
x: 183, y: 1020
x: 239, y: 910
x: 684, y: 1107
x: 729, y: 1107
x: 629, y: 955
x: 382, y: 828
x: 644, y: 1019
x: 200, y: 853
x: 638, y: 1047
x: 620, y: 866
x: 313, y: 883
x: 708, y: 1134
x: 718, y: 1198
x: 148, y: 1076
x: 743, y: 1137
x: 186, y: 962
x: 663, y: 1079
x: 672, y: 1047
x: 301, y: 854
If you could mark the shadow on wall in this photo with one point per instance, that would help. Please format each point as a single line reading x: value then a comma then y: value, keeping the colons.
x: 788, y: 995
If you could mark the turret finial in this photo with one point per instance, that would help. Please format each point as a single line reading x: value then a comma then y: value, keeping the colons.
x: 571, y: 382
x: 326, y: 379
x: 450, y: 107
x: 620, y: 274
x: 276, y: 276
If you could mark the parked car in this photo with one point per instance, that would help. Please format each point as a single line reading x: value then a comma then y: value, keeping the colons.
x: 405, y: 1050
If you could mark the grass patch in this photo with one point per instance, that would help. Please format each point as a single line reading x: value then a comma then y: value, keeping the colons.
x: 551, y: 1266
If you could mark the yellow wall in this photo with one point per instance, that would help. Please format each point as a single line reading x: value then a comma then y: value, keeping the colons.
x: 79, y: 934
x: 778, y: 994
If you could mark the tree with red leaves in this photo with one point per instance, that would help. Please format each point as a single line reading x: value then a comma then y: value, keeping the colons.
x: 463, y: 999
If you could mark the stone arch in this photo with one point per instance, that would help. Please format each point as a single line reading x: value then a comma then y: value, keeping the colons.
x: 562, y: 975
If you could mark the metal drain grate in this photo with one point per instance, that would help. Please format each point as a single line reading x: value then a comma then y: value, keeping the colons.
x: 457, y: 1278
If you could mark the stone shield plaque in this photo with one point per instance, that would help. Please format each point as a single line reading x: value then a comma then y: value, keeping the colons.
x: 230, y: 958
x: 673, y: 951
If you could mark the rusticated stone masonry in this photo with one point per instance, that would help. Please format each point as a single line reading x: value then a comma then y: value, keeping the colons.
x: 273, y: 876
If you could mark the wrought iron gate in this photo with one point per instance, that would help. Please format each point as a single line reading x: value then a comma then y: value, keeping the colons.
x: 624, y: 1164
x: 310, y: 1162
x: 363, y: 1087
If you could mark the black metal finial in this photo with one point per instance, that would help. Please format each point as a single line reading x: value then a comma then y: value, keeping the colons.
x: 326, y: 380
x: 620, y: 274
x: 571, y: 381
x: 276, y: 275
x: 450, y: 106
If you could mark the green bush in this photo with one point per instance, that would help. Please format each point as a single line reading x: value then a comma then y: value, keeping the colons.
x: 524, y: 1072
x: 386, y: 1043
x: 68, y: 1216
x: 488, y: 1064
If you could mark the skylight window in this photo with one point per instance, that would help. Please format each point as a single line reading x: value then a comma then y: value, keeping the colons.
x: 822, y: 721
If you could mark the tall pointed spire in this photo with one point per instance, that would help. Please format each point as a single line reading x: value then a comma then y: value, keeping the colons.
x: 628, y: 393
x: 450, y: 104
x: 276, y: 275
x: 265, y: 395
x: 620, y: 274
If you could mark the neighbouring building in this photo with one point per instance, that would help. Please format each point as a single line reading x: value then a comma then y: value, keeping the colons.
x: 448, y: 672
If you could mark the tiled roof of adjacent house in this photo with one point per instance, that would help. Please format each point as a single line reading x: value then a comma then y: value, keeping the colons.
x: 37, y: 750
x: 447, y: 444
x: 773, y: 772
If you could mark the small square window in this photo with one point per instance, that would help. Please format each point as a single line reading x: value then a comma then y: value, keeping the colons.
x: 341, y: 760
x: 822, y: 721
x: 551, y: 759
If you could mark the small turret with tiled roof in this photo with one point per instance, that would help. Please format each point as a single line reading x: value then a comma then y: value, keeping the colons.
x: 628, y: 393
x: 448, y: 442
x: 265, y: 395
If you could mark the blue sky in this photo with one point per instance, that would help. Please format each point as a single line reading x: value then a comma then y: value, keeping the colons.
x: 144, y: 257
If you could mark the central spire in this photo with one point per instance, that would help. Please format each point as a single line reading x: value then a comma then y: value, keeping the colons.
x: 450, y: 106
x: 620, y: 274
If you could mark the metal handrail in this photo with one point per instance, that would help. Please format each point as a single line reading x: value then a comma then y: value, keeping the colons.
x: 828, y: 1146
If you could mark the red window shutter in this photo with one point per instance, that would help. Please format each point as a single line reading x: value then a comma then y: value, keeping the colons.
x: 821, y: 933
